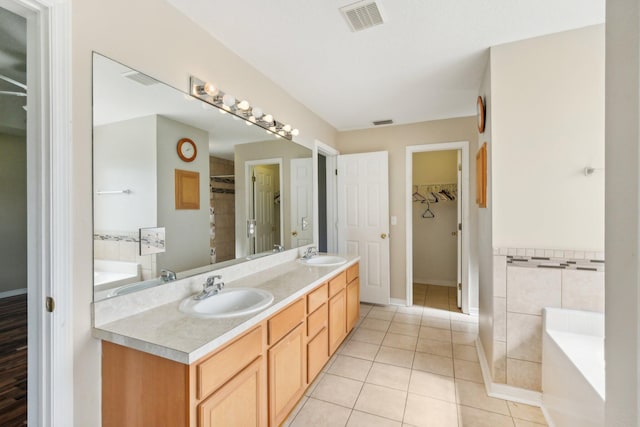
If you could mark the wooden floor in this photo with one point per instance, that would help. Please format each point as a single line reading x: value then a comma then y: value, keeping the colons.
x: 13, y: 361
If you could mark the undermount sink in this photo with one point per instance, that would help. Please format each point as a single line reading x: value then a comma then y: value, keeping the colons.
x: 323, y: 260
x: 230, y: 302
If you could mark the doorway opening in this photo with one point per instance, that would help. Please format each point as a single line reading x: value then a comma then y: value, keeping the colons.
x: 326, y: 212
x: 437, y: 244
x: 264, y: 223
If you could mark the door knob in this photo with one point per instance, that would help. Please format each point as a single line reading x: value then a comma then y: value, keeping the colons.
x: 294, y: 233
x: 383, y: 236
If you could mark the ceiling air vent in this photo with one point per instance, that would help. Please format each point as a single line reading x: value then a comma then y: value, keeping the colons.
x: 138, y: 77
x: 362, y: 15
x: 383, y: 122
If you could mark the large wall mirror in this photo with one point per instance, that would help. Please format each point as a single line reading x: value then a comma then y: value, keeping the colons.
x: 181, y: 188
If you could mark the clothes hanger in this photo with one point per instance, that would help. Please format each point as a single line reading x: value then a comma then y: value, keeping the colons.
x: 428, y: 213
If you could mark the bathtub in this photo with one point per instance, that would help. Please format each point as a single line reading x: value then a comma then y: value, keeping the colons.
x: 573, y: 376
x: 110, y: 274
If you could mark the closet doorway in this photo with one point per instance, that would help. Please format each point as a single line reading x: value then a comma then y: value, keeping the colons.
x: 437, y: 206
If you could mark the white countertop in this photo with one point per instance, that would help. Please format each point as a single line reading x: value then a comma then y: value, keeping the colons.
x: 167, y: 332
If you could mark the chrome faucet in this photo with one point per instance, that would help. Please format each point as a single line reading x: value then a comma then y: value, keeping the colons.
x: 310, y: 252
x: 278, y: 248
x: 210, y: 287
x: 167, y: 275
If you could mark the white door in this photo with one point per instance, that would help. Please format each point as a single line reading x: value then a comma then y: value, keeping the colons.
x: 459, y: 232
x: 363, y: 220
x: 301, y: 175
x: 265, y: 181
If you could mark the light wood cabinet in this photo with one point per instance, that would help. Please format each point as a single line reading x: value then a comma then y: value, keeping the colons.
x: 337, y: 320
x: 287, y: 379
x: 255, y: 380
x: 238, y: 403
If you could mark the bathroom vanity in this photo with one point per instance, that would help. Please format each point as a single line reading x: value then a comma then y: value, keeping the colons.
x: 161, y: 367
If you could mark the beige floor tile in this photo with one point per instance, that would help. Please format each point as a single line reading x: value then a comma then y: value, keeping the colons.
x: 321, y: 414
x: 389, y: 376
x: 377, y: 313
x: 442, y: 305
x: 407, y: 318
x: 314, y: 384
x: 375, y: 324
x: 295, y: 411
x: 435, y: 333
x: 350, y: 367
x: 432, y: 385
x: 395, y: 356
x: 383, y: 401
x: 461, y: 317
x: 526, y: 412
x: 458, y: 326
x: 472, y: 417
x: 434, y: 312
x: 361, y: 350
x: 405, y: 342
x: 368, y: 335
x: 466, y: 370
x: 389, y: 307
x: 465, y: 352
x: 440, y: 348
x: 436, y: 322
x: 339, y: 390
x: 466, y: 338
x: 474, y: 394
x: 428, y: 412
x: 525, y: 423
x: 433, y: 363
x: 415, y: 310
x: 362, y: 419
x: 404, y: 329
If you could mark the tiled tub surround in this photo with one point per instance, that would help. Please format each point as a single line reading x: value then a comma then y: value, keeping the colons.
x: 150, y: 321
x: 124, y: 246
x: 523, y: 286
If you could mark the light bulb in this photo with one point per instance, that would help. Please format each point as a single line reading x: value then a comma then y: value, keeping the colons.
x: 257, y: 112
x: 268, y: 118
x: 229, y: 100
x: 252, y: 119
x: 281, y: 133
x: 211, y: 89
x: 295, y: 132
x: 286, y: 128
x: 272, y: 129
x: 243, y: 105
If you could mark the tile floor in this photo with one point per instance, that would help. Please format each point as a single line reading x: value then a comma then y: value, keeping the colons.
x: 409, y: 366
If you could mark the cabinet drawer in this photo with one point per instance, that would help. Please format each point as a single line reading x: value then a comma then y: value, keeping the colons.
x: 317, y: 320
x: 353, y: 272
x: 281, y: 323
x: 316, y: 298
x: 219, y: 368
x: 337, y: 284
x: 317, y: 354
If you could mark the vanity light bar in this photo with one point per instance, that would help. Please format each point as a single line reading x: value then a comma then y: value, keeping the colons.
x: 211, y: 94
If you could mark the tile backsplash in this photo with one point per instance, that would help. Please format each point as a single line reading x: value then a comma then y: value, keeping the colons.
x: 124, y: 246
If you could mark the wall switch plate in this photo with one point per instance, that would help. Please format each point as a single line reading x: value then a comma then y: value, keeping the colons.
x: 394, y: 220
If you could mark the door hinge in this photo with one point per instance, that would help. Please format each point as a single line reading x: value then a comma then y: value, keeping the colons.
x: 460, y: 167
x: 460, y: 226
x: 459, y: 286
x: 253, y: 178
x: 50, y: 304
x: 336, y: 171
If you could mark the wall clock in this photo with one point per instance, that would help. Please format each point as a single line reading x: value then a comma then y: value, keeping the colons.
x: 187, y: 150
x: 480, y: 113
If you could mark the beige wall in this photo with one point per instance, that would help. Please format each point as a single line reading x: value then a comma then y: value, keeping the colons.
x: 395, y: 139
x: 548, y: 124
x: 153, y: 37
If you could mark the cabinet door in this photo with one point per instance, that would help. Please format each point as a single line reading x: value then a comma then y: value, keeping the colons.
x: 317, y: 354
x: 353, y: 303
x: 240, y: 402
x: 287, y: 379
x: 337, y: 320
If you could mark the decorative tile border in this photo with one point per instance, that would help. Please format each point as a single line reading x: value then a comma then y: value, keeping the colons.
x: 550, y: 258
x: 118, y: 236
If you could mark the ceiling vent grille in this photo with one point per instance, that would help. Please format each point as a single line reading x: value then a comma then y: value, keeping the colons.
x: 383, y: 122
x: 362, y: 15
x: 138, y: 77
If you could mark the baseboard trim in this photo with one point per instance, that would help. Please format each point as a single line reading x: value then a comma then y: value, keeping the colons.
x: 13, y: 293
x: 398, y: 301
x: 474, y: 311
x: 504, y: 391
x: 435, y: 282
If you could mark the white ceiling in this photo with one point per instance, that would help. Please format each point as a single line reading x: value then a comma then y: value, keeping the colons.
x: 424, y: 63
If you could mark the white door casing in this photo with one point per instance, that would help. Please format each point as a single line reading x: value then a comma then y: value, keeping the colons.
x: 264, y: 208
x: 301, y: 176
x: 363, y: 220
x: 459, y: 231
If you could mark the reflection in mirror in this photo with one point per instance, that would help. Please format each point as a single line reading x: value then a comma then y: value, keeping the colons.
x: 167, y: 209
